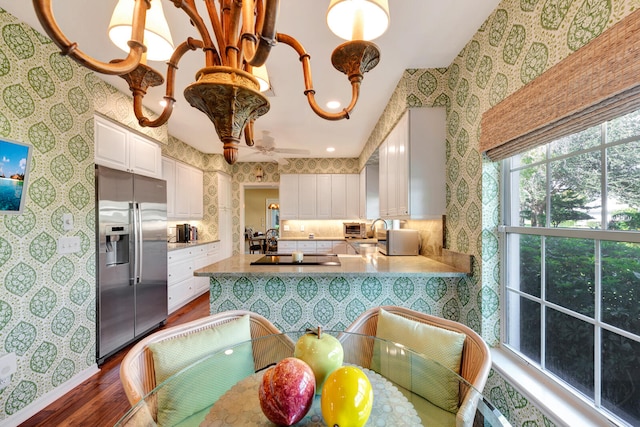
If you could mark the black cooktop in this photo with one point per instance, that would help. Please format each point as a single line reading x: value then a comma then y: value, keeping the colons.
x: 308, y: 259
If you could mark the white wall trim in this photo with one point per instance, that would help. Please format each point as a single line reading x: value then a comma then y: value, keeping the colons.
x: 560, y: 405
x: 48, y: 398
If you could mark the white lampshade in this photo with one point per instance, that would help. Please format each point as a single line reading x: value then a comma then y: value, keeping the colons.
x: 157, y: 36
x: 261, y: 74
x: 358, y: 19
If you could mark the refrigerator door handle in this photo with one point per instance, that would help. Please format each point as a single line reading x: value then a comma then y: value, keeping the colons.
x: 137, y: 236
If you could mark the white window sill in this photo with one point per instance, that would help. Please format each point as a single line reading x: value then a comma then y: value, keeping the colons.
x: 557, y: 403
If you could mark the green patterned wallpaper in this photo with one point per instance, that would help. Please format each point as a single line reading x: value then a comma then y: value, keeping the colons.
x: 47, y: 304
x: 47, y: 300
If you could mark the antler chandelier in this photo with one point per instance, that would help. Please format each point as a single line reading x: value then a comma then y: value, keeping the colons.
x: 244, y: 31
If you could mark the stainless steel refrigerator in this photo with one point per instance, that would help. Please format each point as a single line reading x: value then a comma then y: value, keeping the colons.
x: 131, y: 222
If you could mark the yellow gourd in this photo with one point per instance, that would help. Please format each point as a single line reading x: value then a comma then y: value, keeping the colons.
x: 347, y: 398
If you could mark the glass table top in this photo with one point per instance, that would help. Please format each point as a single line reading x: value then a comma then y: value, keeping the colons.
x: 221, y: 389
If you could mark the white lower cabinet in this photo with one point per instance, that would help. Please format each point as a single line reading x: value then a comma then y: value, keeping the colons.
x: 324, y: 247
x: 314, y: 246
x: 286, y: 247
x: 307, y: 247
x: 183, y: 286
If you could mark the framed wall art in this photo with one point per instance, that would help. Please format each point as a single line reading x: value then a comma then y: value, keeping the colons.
x: 15, y: 159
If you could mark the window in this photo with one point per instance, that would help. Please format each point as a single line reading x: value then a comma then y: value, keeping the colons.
x: 572, y: 262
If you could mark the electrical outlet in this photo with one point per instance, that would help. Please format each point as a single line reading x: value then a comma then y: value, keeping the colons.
x: 68, y: 245
x: 286, y: 227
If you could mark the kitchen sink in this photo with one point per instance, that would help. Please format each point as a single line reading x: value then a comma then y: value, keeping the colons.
x: 364, y: 247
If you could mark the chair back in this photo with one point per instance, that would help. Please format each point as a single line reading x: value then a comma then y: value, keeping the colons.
x: 271, y: 241
x: 476, y: 358
x: 137, y: 372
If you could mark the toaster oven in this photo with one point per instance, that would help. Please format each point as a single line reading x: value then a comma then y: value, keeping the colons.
x: 355, y: 230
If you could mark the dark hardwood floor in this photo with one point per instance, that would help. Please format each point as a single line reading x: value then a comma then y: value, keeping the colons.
x: 100, y: 400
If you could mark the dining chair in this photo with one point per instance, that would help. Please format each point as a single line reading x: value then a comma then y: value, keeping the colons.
x: 254, y: 244
x: 475, y: 361
x: 137, y: 371
x: 271, y: 246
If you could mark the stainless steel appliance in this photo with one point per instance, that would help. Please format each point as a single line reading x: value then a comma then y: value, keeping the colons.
x: 131, y: 222
x: 399, y: 242
x: 356, y: 230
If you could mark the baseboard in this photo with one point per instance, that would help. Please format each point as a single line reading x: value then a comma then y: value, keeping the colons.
x: 48, y: 398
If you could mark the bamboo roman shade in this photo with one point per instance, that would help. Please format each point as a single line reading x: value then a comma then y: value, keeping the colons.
x: 596, y: 83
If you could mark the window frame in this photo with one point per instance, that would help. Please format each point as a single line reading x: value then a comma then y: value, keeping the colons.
x: 506, y: 232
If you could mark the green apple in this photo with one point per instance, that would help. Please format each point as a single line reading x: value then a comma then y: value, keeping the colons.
x: 323, y: 352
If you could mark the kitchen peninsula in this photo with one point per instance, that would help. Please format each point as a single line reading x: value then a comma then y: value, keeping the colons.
x: 296, y: 297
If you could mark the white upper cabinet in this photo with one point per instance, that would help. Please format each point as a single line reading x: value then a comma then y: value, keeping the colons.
x: 288, y: 196
x: 319, y: 196
x: 185, y: 190
x: 120, y: 148
x: 323, y: 196
x: 412, y: 166
x: 369, y: 192
x: 352, y: 201
x: 169, y: 175
x: 307, y: 185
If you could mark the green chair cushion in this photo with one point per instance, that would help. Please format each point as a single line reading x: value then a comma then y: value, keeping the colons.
x: 428, y: 378
x: 207, y: 377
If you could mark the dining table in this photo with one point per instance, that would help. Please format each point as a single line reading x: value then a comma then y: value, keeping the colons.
x: 222, y: 388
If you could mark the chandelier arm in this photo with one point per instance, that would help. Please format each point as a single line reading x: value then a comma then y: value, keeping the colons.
x: 209, y: 48
x: 217, y: 28
x: 248, y: 133
x: 44, y: 12
x: 309, y: 92
x: 231, y: 32
x: 257, y: 56
x: 172, y: 67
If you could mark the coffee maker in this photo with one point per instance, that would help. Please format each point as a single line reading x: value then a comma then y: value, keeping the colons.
x: 183, y: 233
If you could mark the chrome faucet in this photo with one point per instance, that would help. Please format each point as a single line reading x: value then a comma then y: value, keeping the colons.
x: 373, y: 224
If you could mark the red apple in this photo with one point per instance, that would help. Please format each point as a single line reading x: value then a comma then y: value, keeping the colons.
x: 323, y: 352
x: 287, y: 391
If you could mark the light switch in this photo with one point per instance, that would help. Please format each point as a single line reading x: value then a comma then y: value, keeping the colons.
x: 67, y: 221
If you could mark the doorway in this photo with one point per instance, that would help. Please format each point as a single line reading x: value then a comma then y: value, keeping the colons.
x: 254, y: 212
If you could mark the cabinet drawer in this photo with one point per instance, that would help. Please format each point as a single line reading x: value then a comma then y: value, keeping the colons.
x: 179, y: 293
x: 324, y: 247
x: 179, y: 255
x: 178, y: 271
x: 286, y: 247
x: 307, y: 247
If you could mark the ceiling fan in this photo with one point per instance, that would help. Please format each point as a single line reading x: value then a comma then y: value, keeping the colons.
x: 266, y: 147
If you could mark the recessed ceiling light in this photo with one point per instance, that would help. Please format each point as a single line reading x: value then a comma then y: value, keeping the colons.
x: 331, y: 149
x: 333, y: 104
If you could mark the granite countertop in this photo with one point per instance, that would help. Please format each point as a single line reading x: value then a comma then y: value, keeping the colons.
x: 176, y: 246
x: 351, y: 265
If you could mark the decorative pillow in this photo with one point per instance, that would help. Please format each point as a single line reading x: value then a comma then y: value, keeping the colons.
x: 423, y: 377
x: 208, y: 377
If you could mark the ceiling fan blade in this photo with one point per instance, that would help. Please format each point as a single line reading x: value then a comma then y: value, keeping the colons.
x: 291, y: 151
x: 282, y: 161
